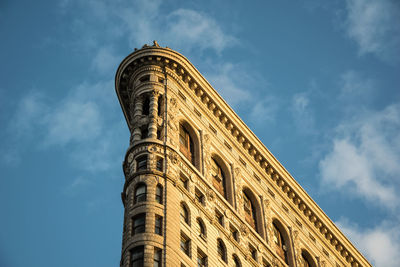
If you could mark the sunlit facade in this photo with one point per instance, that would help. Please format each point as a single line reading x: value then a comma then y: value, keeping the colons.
x: 201, y: 189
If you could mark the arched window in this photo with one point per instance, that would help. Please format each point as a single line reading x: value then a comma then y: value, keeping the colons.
x: 279, y: 242
x: 137, y: 257
x: 159, y: 194
x: 202, y: 228
x: 218, y: 177
x: 221, y: 249
x: 185, y: 214
x: 140, y: 193
x: 250, y: 211
x: 236, y: 260
x: 307, y: 260
x: 186, y: 144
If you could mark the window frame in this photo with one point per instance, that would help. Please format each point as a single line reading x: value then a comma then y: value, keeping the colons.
x: 185, y: 213
x: 141, y: 163
x: 139, y: 260
x: 185, y: 244
x: 159, y: 194
x: 221, y: 250
x: 186, y: 144
x: 158, y: 224
x: 139, y: 228
x: 157, y: 257
x: 141, y: 197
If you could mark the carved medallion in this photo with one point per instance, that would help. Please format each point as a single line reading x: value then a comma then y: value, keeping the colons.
x: 210, y: 195
x: 244, y: 230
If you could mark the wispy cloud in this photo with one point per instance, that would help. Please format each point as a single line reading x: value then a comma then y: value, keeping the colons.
x: 194, y: 29
x: 105, y: 60
x: 76, y: 123
x: 373, y: 25
x: 365, y: 155
x: 230, y: 81
x: 380, y: 244
x: 264, y: 110
x: 353, y: 84
x: 302, y: 113
x: 140, y: 22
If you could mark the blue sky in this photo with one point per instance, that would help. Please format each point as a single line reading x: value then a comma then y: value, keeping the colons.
x: 317, y: 81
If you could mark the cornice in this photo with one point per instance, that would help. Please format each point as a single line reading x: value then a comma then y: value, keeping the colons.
x: 191, y: 79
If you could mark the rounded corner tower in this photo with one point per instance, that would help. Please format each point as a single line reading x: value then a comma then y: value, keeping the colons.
x: 200, y: 188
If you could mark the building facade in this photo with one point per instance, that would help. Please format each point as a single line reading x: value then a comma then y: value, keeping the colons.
x: 200, y: 188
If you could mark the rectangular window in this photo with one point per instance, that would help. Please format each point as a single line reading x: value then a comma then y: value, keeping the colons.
x: 199, y: 196
x: 253, y: 252
x: 220, y: 217
x: 158, y: 225
x: 159, y: 194
x: 157, y: 257
x: 142, y: 163
x: 201, y: 258
x: 234, y: 233
x: 137, y: 257
x: 185, y: 182
x: 138, y: 224
x: 159, y: 166
x: 185, y: 244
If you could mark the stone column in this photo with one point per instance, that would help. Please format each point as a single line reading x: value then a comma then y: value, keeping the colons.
x: 153, y: 115
x: 137, y: 113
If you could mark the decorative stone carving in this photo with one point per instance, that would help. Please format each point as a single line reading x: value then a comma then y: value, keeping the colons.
x: 227, y: 214
x: 155, y: 44
x: 267, y: 202
x: 173, y: 156
x: 244, y: 230
x: 210, y: 195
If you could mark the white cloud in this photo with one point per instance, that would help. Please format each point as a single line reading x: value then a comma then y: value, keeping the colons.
x: 302, y: 112
x: 142, y: 21
x: 374, y: 26
x: 194, y: 29
x: 105, y: 61
x: 380, y: 244
x: 77, y: 123
x: 29, y: 110
x: 365, y: 155
x: 74, y: 121
x: 229, y: 81
x: 264, y: 110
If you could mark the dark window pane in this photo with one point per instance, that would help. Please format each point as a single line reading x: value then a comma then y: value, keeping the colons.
x: 138, y: 224
x: 159, y: 193
x: 137, y: 257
